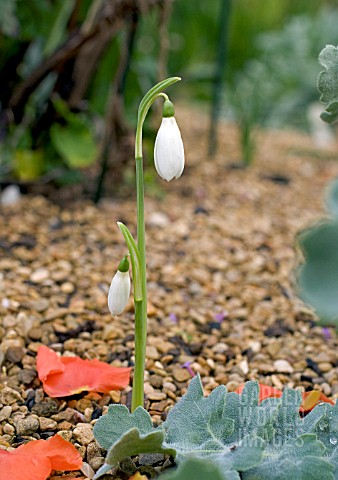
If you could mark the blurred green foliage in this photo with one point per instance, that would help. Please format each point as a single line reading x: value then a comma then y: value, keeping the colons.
x: 283, y: 63
x: 318, y: 274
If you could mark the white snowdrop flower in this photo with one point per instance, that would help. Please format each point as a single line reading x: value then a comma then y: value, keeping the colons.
x: 119, y: 291
x: 169, y: 150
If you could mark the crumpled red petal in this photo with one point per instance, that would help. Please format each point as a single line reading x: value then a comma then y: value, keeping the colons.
x: 35, y: 460
x: 265, y: 391
x: 310, y: 399
x: 64, y: 376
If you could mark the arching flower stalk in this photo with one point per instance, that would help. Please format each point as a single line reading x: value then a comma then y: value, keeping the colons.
x: 169, y: 163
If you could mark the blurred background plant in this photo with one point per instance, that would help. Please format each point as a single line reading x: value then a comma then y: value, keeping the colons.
x: 72, y: 74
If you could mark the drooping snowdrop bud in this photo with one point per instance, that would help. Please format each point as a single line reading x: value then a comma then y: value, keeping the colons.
x: 119, y: 290
x: 169, y: 150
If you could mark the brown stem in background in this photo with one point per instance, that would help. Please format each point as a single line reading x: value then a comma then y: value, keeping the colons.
x: 115, y: 125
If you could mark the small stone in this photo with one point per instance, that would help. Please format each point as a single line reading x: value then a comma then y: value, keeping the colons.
x: 8, y: 396
x: 26, y: 426
x: 273, y: 349
x: 26, y: 376
x: 65, y: 434
x: 159, y: 406
x: 115, y: 395
x: 47, y: 424
x: 8, y: 429
x: 68, y: 415
x: 156, y: 381
x: 83, y: 433
x: 93, y: 450
x: 67, y: 287
x: 82, y: 404
x: 325, y: 366
x: 5, y: 412
x: 170, y: 386
x: 87, y: 470
x: 96, y: 463
x: 46, y: 408
x: 244, y: 366
x: 35, y: 333
x: 40, y: 305
x: 156, y: 396
x: 220, y: 347
x: 152, y: 353
x: 282, y: 366
x: 64, y: 425
x: 39, y: 275
x: 231, y: 386
x: 158, y: 219
x: 181, y: 374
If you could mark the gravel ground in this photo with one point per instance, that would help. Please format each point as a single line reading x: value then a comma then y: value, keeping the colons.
x: 221, y: 252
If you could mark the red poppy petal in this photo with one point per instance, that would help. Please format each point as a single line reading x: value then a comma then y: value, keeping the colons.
x: 62, y: 455
x: 23, y: 467
x: 82, y: 375
x: 47, y: 362
x: 265, y: 391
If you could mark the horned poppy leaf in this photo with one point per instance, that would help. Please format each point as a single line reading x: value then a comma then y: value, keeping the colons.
x: 35, y: 460
x: 64, y: 376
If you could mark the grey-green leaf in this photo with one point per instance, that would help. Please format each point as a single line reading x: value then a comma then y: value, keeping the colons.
x: 125, y: 434
x: 217, y: 426
x: 332, y: 198
x: 299, y: 459
x: 198, y: 469
x: 328, y: 83
x: 318, y: 275
x: 111, y: 427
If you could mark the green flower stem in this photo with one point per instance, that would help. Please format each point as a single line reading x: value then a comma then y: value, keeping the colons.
x: 141, y: 305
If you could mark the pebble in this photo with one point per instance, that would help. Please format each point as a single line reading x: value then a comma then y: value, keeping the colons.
x: 15, y: 354
x: 65, y: 434
x: 152, y: 353
x: 5, y: 412
x: 67, y: 415
x: 45, y: 408
x: 156, y: 381
x: 64, y: 425
x: 8, y: 429
x: 83, y: 433
x: 67, y: 287
x: 325, y: 366
x: 181, y: 374
x: 282, y: 366
x: 26, y: 426
x: 159, y: 406
x: 47, y: 423
x: 40, y: 275
x: 156, y: 396
x: 8, y: 396
x: 170, y: 386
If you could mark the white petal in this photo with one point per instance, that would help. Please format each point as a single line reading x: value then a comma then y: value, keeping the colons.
x: 119, y: 293
x: 169, y: 150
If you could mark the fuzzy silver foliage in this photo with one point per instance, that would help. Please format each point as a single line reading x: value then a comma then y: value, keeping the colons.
x: 227, y: 436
